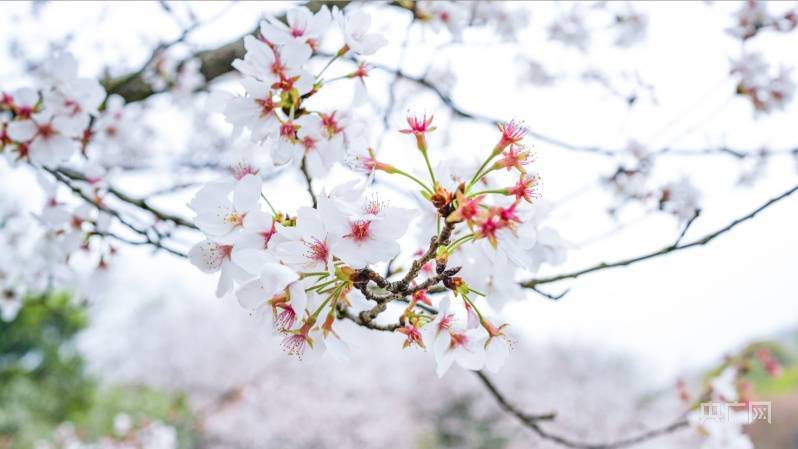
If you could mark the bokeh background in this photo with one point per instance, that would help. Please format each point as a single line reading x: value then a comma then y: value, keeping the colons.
x: 156, y: 351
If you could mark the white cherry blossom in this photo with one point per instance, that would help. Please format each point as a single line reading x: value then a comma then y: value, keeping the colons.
x: 308, y: 246
x: 48, y: 140
x: 354, y: 26
x: 369, y: 234
x: 217, y: 214
x: 212, y: 257
x: 303, y: 26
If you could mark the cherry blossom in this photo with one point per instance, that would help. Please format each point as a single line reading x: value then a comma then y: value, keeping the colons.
x: 217, y: 214
x: 302, y: 26
x: 443, y: 14
x: 355, y: 26
x: 680, y: 198
x: 369, y: 235
x: 570, y: 29
x: 268, y: 294
x: 45, y: 139
x: 462, y: 346
x: 256, y: 111
x: 308, y: 246
x: 275, y: 67
x: 213, y: 256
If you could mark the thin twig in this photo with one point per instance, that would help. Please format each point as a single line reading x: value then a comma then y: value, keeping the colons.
x: 137, y: 202
x: 666, y: 250
x: 309, y: 180
x: 687, y: 226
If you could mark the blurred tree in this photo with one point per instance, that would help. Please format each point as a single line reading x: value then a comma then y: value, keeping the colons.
x: 42, y: 376
x: 44, y: 382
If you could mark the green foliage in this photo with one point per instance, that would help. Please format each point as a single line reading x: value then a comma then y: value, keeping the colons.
x: 773, y: 386
x: 141, y: 404
x: 42, y: 376
x: 43, y: 382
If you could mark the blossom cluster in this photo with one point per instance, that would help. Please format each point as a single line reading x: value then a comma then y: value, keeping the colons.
x: 766, y: 91
x: 278, y: 82
x: 308, y: 268
x: 753, y: 17
x: 455, y: 17
x: 52, y: 249
x: 49, y: 126
x: 730, y: 394
x: 631, y: 181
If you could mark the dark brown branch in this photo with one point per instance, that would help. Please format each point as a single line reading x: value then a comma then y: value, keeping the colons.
x: 533, y: 421
x: 435, y: 242
x: 309, y: 180
x: 686, y: 227
x: 646, y: 436
x: 140, y: 203
x: 149, y: 240
x: 218, y: 61
x: 213, y: 64
x: 666, y: 250
x: 508, y: 407
x: 549, y: 295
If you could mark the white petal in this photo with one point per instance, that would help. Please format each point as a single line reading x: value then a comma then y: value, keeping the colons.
x: 247, y: 193
x: 299, y: 298
x: 444, y: 363
x: 251, y: 295
x: 225, y: 281
x: 496, y: 354
x: 207, y: 256
x: 22, y: 131
x: 276, y: 277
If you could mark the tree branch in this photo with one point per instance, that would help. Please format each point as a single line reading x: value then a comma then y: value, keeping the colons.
x: 677, y: 246
x: 309, y: 180
x: 532, y: 421
x: 140, y: 203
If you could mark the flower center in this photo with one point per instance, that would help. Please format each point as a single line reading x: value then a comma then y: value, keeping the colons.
x: 46, y: 130
x: 458, y: 339
x: 309, y: 143
x: 288, y: 130
x: 359, y: 230
x: 317, y: 250
x: 235, y: 219
x: 266, y: 106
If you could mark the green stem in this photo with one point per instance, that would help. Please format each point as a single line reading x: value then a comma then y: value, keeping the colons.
x: 478, y: 175
x: 320, y: 286
x: 457, y: 243
x: 408, y: 175
x: 477, y: 292
x: 484, y: 192
x: 429, y: 168
x: 329, y: 63
x: 321, y: 307
x: 479, y: 314
x: 274, y: 212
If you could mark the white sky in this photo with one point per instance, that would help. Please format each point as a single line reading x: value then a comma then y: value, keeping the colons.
x: 678, y: 312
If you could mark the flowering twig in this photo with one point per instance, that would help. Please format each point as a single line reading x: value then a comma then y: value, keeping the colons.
x: 666, y: 250
x: 137, y: 202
